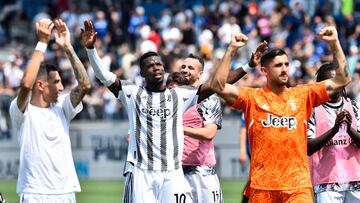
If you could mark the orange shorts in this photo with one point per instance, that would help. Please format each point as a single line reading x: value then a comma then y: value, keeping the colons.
x: 303, y: 195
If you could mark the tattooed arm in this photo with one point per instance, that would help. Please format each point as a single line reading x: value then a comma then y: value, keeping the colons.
x: 342, y: 78
x: 62, y: 37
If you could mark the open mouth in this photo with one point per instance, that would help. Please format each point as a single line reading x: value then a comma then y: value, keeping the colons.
x: 186, y: 77
x: 158, y: 76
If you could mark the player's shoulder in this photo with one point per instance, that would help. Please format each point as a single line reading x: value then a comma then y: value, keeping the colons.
x: 355, y: 104
x: 125, y: 83
x: 212, y: 100
x: 185, y: 90
x: 13, y: 106
x: 307, y: 86
x: 301, y: 90
x: 251, y: 89
x: 62, y: 98
x: 186, y: 87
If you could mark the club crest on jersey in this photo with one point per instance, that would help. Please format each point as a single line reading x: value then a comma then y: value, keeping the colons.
x: 265, y: 107
x: 277, y: 122
x: 292, y: 105
x: 162, y: 113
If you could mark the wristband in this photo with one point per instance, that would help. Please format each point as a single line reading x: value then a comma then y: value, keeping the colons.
x: 246, y: 68
x: 41, y: 46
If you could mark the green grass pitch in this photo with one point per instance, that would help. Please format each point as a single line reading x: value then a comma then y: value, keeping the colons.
x: 111, y: 191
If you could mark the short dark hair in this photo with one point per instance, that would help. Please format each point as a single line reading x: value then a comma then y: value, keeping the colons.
x: 176, y: 77
x: 270, y: 54
x: 145, y: 56
x: 324, y: 68
x: 201, y: 60
x: 45, y: 69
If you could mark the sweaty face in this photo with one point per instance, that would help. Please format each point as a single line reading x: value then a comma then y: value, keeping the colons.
x: 277, y: 71
x: 191, y: 69
x: 153, y: 70
x: 53, y: 87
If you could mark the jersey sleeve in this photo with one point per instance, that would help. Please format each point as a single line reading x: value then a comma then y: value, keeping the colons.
x: 318, y: 94
x: 69, y: 110
x: 356, y: 108
x: 243, y: 99
x: 17, y: 117
x: 128, y: 89
x: 188, y: 94
x: 311, y: 134
x: 211, y: 111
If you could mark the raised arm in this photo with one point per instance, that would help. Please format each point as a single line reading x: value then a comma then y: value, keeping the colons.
x: 237, y: 74
x: 342, y: 78
x: 62, y: 38
x: 88, y: 38
x: 43, y: 30
x: 218, y: 82
x: 207, y: 132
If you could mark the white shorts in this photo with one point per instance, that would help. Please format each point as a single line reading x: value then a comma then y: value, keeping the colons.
x: 338, y: 197
x: 40, y: 198
x: 204, y: 184
x: 155, y: 186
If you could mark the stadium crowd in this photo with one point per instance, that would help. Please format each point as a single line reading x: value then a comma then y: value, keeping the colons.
x: 126, y: 29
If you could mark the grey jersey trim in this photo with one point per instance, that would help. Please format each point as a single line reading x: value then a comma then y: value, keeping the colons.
x: 138, y: 126
x: 149, y: 134
x: 189, y: 87
x: 174, y: 129
x: 163, y: 143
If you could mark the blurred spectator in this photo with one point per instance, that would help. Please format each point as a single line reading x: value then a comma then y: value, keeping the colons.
x: 101, y: 25
x: 125, y: 30
x: 228, y: 27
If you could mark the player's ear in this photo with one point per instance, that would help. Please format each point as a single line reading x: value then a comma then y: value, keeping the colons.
x: 263, y: 70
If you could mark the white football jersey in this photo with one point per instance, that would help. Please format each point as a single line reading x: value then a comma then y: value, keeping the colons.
x: 155, y: 122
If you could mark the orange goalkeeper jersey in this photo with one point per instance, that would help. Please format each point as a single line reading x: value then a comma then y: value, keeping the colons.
x: 277, y: 127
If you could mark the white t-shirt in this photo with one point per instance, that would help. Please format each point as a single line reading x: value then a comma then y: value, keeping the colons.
x: 155, y: 121
x: 46, y: 162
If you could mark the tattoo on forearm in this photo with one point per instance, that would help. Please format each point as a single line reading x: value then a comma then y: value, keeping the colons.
x: 80, y: 74
x: 76, y: 95
x: 329, y: 87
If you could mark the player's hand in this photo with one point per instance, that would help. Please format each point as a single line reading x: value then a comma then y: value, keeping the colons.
x: 88, y: 36
x: 238, y: 40
x: 62, y: 34
x: 348, y: 119
x: 43, y: 30
x: 329, y: 34
x: 255, y: 57
x: 340, y: 118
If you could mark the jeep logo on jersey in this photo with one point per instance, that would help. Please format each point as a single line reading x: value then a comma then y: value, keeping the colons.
x: 162, y: 113
x: 289, y: 122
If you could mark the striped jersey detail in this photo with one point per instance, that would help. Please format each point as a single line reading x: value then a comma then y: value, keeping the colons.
x: 155, y: 122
